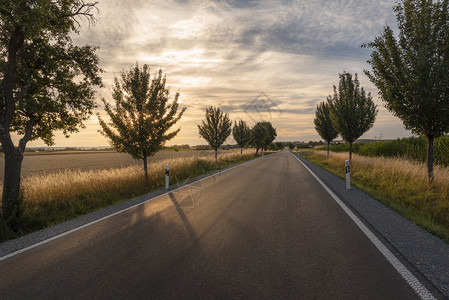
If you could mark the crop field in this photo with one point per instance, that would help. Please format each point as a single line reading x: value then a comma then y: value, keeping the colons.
x: 51, y: 162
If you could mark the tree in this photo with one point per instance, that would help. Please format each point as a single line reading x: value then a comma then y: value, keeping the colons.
x: 242, y: 134
x: 47, y: 83
x: 262, y: 134
x: 216, y: 128
x: 352, y: 111
x: 323, y: 123
x: 142, y: 115
x: 412, y: 72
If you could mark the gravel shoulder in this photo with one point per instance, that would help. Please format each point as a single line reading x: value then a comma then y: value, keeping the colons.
x: 423, y: 253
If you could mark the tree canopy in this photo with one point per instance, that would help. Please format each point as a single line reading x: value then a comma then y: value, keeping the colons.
x: 411, y: 71
x: 47, y: 83
x: 323, y: 123
x: 352, y: 111
x: 262, y: 134
x: 215, y: 128
x: 241, y: 133
x: 142, y: 115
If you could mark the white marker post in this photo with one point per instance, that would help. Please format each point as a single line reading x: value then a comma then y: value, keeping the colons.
x: 348, y: 179
x: 167, y: 178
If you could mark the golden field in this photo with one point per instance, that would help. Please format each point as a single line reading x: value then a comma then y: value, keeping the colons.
x: 51, y: 162
x: 57, y: 196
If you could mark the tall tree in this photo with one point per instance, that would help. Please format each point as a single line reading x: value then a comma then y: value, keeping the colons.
x: 142, y: 115
x: 412, y: 72
x: 216, y: 128
x: 323, y: 123
x: 242, y: 134
x: 352, y: 111
x: 46, y: 82
x: 262, y: 134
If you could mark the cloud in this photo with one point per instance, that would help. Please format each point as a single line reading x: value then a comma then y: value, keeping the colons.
x: 226, y: 52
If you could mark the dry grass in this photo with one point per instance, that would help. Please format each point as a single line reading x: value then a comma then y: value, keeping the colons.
x: 60, y: 196
x: 402, y: 184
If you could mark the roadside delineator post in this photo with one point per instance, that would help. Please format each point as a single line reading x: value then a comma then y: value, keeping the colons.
x: 348, y: 179
x: 167, y: 178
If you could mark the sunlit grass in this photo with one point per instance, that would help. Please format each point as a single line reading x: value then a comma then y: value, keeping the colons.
x: 54, y: 198
x: 399, y: 183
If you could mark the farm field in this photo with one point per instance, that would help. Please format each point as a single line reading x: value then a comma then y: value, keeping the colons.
x: 46, y: 163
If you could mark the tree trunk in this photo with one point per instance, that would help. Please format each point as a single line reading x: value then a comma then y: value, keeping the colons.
x: 328, y: 148
x: 11, y: 185
x: 241, y: 150
x: 216, y: 152
x: 145, y: 168
x: 430, y: 157
x: 257, y: 151
x: 350, y: 151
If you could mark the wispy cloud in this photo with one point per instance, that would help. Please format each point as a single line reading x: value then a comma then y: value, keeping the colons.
x: 225, y: 53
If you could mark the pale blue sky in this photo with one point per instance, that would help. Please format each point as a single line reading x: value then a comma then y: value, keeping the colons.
x: 226, y: 53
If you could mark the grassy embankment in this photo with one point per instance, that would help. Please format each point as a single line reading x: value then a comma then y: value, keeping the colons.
x: 58, y: 197
x: 399, y: 183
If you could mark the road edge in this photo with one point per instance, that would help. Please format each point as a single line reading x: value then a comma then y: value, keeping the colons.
x: 413, y: 282
x: 410, y: 245
x: 22, y: 244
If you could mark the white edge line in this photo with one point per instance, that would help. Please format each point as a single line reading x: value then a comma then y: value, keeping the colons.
x: 394, y: 261
x: 119, y: 212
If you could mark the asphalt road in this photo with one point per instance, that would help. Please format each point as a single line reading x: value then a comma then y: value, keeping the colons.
x: 263, y: 230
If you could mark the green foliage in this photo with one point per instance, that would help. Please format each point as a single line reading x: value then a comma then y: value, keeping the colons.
x: 241, y: 133
x: 262, y: 134
x: 323, y: 122
x: 47, y: 83
x: 413, y: 148
x: 279, y: 145
x: 343, y: 147
x: 412, y: 72
x: 142, y: 114
x: 216, y: 128
x: 352, y: 111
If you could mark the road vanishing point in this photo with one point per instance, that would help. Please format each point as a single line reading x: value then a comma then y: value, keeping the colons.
x: 266, y: 229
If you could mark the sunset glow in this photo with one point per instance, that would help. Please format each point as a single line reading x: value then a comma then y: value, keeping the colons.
x: 226, y: 53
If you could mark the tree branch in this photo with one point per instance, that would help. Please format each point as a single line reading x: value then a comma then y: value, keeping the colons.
x: 84, y: 10
x: 28, y: 134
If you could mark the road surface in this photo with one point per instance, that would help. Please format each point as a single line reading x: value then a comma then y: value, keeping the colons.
x: 262, y: 230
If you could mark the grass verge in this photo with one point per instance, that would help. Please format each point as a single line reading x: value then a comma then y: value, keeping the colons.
x: 398, y: 183
x: 58, y: 197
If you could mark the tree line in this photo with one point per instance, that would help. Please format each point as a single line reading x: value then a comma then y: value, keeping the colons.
x: 410, y: 70
x: 47, y: 83
x: 216, y: 128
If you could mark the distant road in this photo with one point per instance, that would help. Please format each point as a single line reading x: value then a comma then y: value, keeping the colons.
x: 264, y: 230
x: 85, y: 160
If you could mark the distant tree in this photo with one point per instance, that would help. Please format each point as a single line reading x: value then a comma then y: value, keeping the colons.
x: 242, y: 134
x: 216, y: 128
x: 291, y: 146
x: 352, y: 111
x: 412, y: 73
x: 323, y: 123
x: 142, y: 114
x: 46, y: 82
x: 262, y: 134
x: 280, y: 145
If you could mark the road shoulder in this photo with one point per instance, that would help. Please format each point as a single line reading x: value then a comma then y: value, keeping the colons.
x: 426, y: 254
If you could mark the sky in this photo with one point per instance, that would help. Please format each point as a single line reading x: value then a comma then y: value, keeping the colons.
x: 270, y: 60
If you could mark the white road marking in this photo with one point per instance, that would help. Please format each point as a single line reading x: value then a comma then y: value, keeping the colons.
x: 394, y: 261
x: 116, y: 213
